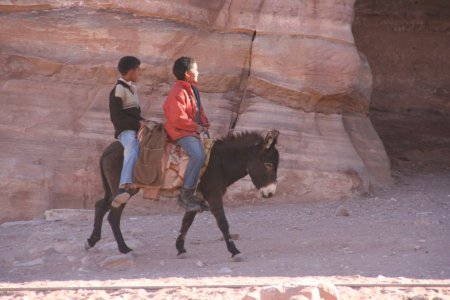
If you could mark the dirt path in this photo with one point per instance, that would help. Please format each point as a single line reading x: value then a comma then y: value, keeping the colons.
x: 400, y: 236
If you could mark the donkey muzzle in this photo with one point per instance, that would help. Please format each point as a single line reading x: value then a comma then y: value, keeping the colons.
x: 269, y: 190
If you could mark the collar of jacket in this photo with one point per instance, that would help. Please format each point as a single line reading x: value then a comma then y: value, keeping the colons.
x: 127, y: 84
x: 185, y: 85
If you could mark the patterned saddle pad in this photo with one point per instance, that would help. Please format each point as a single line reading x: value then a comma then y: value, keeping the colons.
x: 174, y: 164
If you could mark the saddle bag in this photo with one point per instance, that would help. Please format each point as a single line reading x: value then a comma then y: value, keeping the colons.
x: 148, y: 170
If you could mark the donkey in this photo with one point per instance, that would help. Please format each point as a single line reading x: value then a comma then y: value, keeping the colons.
x: 231, y: 158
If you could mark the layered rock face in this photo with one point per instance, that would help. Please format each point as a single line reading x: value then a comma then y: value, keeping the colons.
x: 407, y: 45
x: 290, y: 65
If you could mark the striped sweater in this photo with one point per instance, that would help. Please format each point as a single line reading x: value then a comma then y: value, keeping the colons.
x: 124, y: 109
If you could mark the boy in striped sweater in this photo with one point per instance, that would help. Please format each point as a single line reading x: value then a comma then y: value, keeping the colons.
x: 125, y: 114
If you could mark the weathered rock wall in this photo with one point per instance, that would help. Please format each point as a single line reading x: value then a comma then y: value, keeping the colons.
x: 407, y: 45
x: 285, y: 64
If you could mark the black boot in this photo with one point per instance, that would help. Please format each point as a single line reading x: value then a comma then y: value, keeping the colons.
x: 187, y: 201
x: 198, y: 197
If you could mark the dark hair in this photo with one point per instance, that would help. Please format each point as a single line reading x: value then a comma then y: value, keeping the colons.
x: 181, y: 66
x: 128, y: 63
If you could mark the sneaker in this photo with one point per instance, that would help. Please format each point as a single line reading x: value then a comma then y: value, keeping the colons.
x: 133, y: 190
x: 122, y: 197
x: 130, y: 188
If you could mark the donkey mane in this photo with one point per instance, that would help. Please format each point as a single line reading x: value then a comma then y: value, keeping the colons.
x: 241, y: 139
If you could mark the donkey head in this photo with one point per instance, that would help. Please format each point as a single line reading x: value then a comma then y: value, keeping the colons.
x: 263, y: 166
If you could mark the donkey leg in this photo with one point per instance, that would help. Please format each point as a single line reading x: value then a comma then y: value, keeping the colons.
x: 222, y: 222
x: 101, y: 208
x: 114, y: 220
x: 186, y: 223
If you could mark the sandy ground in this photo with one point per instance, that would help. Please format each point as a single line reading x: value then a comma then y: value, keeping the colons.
x: 396, y: 240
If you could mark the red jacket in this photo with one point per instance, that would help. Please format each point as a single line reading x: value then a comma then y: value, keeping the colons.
x: 179, y: 110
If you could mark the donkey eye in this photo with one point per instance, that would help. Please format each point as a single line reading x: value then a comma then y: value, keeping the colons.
x: 268, y: 166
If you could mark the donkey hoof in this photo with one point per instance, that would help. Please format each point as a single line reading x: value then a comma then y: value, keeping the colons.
x: 132, y: 254
x: 87, y: 246
x: 238, y: 257
x: 182, y: 254
x: 125, y: 250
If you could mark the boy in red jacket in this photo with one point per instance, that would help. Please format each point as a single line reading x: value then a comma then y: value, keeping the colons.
x: 185, y: 120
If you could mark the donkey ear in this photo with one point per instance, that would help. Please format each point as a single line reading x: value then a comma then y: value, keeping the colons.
x: 270, y: 138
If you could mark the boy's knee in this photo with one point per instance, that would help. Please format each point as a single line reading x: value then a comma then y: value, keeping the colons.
x: 199, y: 157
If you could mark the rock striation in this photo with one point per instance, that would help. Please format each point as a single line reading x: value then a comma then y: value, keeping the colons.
x: 291, y: 65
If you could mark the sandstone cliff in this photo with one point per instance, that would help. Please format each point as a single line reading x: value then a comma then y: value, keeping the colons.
x: 291, y: 65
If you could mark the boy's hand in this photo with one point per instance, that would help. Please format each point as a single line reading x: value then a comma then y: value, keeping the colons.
x: 143, y: 123
x: 203, y: 130
x: 200, y: 129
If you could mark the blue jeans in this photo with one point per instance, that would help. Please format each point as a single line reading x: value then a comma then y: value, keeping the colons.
x: 130, y: 154
x: 193, y: 146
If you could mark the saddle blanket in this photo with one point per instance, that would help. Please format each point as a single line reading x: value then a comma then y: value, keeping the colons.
x: 161, y: 165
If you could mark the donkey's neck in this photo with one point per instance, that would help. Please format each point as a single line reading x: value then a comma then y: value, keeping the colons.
x: 234, y: 164
x: 228, y: 161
